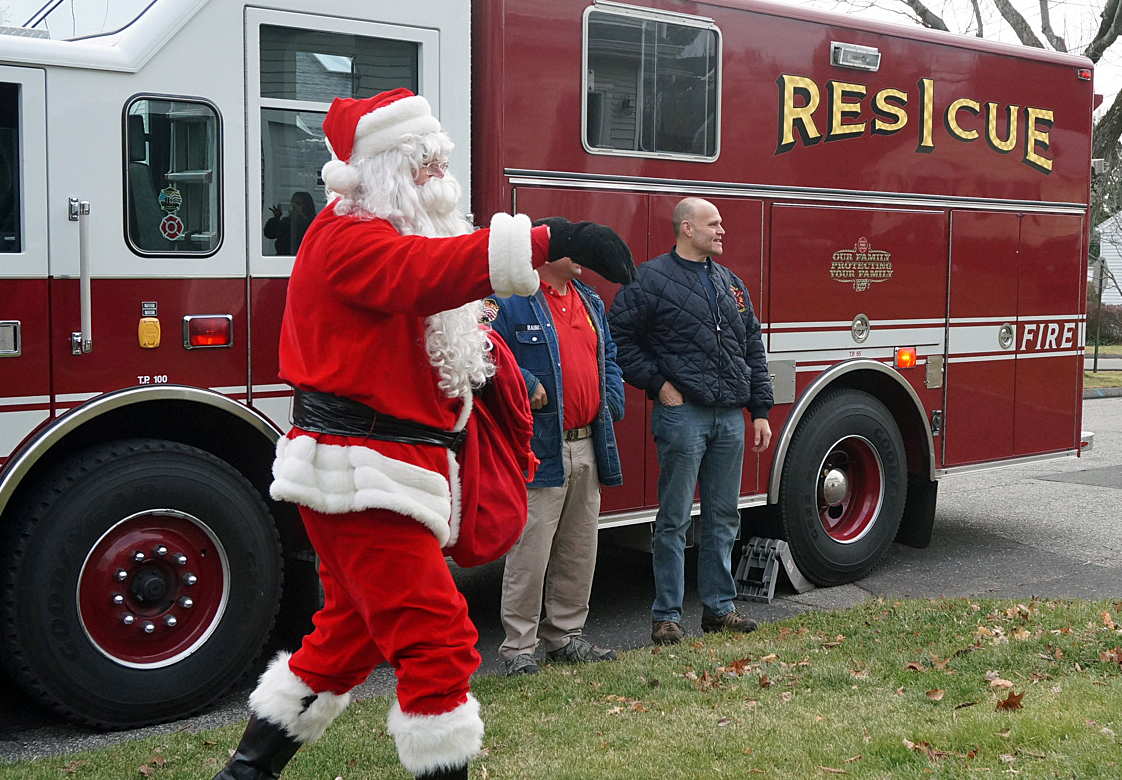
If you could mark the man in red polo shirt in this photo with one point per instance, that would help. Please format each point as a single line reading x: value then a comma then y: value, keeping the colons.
x: 560, y: 338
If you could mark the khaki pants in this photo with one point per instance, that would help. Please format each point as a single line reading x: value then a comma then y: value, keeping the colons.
x: 552, y: 564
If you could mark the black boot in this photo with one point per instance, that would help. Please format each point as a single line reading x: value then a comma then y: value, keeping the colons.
x: 456, y: 773
x: 264, y: 751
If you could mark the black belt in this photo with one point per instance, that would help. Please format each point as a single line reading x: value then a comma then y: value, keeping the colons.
x: 576, y: 434
x: 326, y: 413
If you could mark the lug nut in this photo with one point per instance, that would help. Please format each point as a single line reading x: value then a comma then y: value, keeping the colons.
x: 190, y: 579
x: 118, y: 599
x: 186, y: 602
x: 148, y: 627
x: 128, y: 620
x: 180, y: 558
x: 160, y: 550
x: 170, y: 621
x: 138, y: 556
x: 122, y: 575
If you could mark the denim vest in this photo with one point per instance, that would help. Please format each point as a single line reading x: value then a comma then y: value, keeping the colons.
x: 526, y: 325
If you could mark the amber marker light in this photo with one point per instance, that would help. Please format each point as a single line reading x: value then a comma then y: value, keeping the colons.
x: 905, y: 357
x: 208, y: 331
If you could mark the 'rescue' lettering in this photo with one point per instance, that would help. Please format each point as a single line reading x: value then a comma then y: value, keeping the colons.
x: 806, y: 118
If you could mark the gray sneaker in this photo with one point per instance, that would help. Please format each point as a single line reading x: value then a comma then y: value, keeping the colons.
x: 579, y: 650
x: 521, y: 664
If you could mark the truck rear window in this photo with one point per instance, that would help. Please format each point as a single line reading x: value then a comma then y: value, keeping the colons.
x: 651, y: 84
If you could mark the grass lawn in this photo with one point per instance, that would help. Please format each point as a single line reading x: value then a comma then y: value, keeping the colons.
x: 1102, y: 379
x: 888, y: 689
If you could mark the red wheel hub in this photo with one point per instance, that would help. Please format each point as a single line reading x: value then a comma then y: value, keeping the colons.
x: 153, y: 588
x: 850, y: 489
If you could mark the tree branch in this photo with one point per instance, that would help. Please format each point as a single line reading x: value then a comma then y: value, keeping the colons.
x: 925, y: 15
x: 978, y: 17
x: 1013, y: 17
x: 1046, y: 28
x: 1108, y: 31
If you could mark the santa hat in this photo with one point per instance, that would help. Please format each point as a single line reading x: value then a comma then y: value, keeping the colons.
x: 356, y: 129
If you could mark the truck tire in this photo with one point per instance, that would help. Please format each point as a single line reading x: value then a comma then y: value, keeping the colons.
x: 843, y: 487
x: 140, y: 582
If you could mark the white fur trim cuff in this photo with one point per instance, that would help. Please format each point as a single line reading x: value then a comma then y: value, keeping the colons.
x: 336, y: 479
x: 510, y: 254
x: 428, y: 743
x: 284, y: 699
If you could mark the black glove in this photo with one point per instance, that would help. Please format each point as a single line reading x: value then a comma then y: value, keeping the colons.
x: 593, y: 246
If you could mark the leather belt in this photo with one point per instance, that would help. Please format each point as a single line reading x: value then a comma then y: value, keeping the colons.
x: 327, y: 413
x: 576, y: 434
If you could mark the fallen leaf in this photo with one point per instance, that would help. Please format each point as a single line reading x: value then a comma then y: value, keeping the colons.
x: 740, y: 665
x: 1011, y: 703
x: 146, y: 770
x: 934, y: 695
x: 764, y: 681
x: 913, y: 666
x: 767, y: 659
x: 1004, y: 733
x: 1107, y: 620
x: 859, y: 674
x: 832, y: 771
x: 1000, y: 684
x: 724, y: 721
x: 851, y: 759
x: 965, y: 704
x: 785, y: 696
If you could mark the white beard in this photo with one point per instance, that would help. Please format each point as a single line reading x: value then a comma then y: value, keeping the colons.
x: 456, y: 345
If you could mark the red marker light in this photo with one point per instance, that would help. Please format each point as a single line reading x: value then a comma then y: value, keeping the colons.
x: 1084, y: 74
x: 905, y: 357
x: 216, y: 330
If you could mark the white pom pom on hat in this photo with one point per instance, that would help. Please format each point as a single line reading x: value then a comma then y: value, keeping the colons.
x: 363, y: 128
x: 339, y: 177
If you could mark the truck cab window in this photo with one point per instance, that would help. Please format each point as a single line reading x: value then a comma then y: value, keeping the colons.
x: 171, y: 176
x: 651, y: 85
x: 9, y: 169
x: 301, y: 67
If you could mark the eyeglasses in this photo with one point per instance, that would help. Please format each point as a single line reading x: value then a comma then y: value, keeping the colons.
x: 435, y: 168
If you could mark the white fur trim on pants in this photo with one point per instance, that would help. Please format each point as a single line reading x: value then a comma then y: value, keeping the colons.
x: 509, y: 256
x: 428, y: 743
x: 282, y: 698
x: 336, y: 479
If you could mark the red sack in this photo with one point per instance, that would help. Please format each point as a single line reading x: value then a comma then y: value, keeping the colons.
x: 495, y: 463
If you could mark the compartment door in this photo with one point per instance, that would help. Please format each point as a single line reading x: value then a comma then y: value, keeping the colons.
x: 626, y: 213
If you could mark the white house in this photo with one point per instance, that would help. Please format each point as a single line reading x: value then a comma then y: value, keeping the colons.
x: 1110, y: 249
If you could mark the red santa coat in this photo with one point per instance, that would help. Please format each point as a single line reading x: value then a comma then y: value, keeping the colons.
x: 354, y: 326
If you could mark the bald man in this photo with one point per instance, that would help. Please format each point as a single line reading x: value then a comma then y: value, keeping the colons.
x: 686, y: 334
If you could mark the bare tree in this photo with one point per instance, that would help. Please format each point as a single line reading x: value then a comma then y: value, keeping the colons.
x: 1106, y: 198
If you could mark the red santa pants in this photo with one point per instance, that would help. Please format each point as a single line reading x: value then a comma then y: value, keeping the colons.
x: 388, y: 596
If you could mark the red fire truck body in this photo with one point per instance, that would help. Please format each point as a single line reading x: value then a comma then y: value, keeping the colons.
x: 908, y: 209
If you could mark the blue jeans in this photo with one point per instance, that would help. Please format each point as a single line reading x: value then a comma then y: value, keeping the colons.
x: 702, y: 446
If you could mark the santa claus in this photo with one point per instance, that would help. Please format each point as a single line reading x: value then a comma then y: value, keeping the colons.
x: 381, y: 343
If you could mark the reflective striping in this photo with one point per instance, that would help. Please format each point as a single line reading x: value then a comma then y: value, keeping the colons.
x: 33, y: 401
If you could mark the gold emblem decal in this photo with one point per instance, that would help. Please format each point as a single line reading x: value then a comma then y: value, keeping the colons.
x: 861, y: 266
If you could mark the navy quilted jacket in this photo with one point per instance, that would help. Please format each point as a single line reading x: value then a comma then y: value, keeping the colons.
x: 665, y: 329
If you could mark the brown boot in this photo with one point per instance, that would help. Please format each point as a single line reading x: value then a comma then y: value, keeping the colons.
x: 265, y: 749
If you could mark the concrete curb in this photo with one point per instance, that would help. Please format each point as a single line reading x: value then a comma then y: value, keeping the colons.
x: 1101, y: 392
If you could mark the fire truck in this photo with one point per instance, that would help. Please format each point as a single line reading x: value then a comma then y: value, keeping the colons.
x: 908, y: 209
